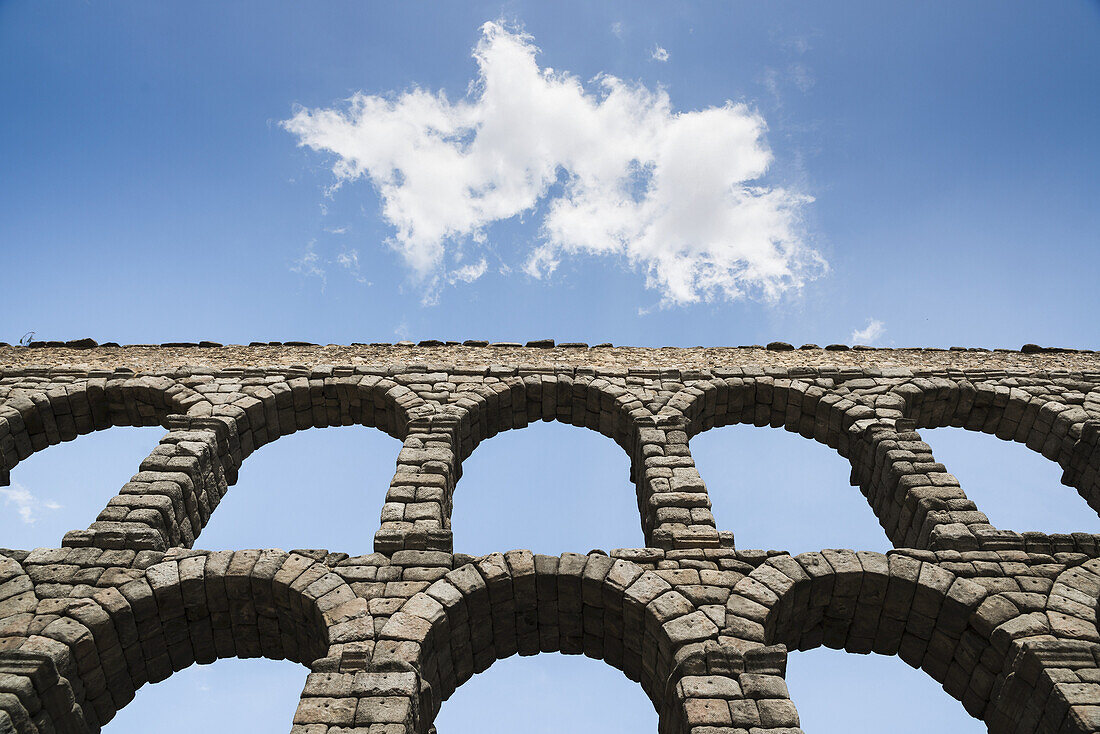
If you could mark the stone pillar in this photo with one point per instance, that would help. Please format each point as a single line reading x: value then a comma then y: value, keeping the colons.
x: 169, y: 501
x: 34, y: 697
x: 918, y: 503
x: 1051, y: 686
x: 672, y: 497
x: 417, y: 513
x: 725, y: 689
x: 357, y: 700
x: 1083, y: 468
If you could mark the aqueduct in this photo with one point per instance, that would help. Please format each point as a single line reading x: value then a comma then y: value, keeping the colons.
x: 1005, y: 620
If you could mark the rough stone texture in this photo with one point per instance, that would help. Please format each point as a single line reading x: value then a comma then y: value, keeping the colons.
x: 1005, y: 620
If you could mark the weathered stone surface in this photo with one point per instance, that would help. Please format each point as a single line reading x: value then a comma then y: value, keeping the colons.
x: 1005, y: 620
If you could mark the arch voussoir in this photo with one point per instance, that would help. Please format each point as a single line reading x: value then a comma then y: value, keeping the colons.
x: 523, y: 603
x: 32, y: 419
x: 91, y: 653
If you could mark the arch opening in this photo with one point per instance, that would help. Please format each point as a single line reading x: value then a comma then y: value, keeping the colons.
x: 776, y: 489
x: 231, y: 694
x: 831, y: 687
x: 549, y: 488
x: 311, y: 489
x: 1017, y: 489
x: 65, y: 486
x: 546, y: 694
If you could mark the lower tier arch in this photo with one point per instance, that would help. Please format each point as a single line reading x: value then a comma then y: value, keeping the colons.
x: 521, y: 603
x: 83, y: 658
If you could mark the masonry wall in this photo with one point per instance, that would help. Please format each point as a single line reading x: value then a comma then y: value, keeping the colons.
x: 1004, y: 619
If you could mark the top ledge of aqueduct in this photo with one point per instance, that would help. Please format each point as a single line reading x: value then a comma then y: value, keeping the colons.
x: 86, y: 355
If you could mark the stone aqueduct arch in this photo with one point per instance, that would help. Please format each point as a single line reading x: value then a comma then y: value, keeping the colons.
x: 1006, y: 621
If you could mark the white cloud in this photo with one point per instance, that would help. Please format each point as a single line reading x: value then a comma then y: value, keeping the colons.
x: 869, y: 334
x: 26, y: 504
x: 617, y: 29
x: 469, y: 273
x: 677, y: 195
x: 660, y: 54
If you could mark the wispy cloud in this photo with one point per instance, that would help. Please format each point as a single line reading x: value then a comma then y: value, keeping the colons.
x: 349, y: 260
x: 869, y: 334
x: 660, y: 54
x: 779, y: 81
x: 613, y: 171
x: 309, y: 264
x: 313, y: 264
x: 25, y: 503
x: 798, y: 44
x: 617, y: 29
x: 801, y: 76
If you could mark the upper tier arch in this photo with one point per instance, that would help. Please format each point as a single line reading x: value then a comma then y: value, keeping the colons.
x: 257, y: 412
x: 180, y: 484
x: 491, y: 406
x: 1058, y: 419
x: 34, y: 418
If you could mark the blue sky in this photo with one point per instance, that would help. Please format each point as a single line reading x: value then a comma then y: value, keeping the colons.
x: 900, y: 176
x: 950, y: 152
